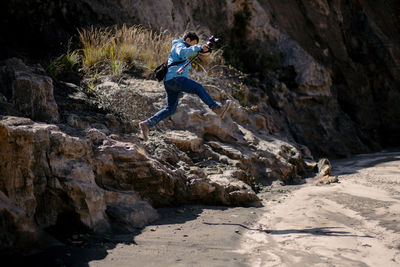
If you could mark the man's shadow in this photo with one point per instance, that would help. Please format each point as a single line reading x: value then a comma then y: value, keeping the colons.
x: 319, y: 231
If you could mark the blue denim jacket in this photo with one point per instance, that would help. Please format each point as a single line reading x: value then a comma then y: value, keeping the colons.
x: 180, y: 51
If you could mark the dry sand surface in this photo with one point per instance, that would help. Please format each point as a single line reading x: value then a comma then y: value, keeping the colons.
x: 355, y: 222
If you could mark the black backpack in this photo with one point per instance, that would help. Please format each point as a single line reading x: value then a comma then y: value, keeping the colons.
x: 162, y: 70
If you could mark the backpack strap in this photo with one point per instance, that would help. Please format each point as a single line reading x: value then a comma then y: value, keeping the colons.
x: 176, y: 63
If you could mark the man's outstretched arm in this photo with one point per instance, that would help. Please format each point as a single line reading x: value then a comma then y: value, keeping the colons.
x: 184, y: 52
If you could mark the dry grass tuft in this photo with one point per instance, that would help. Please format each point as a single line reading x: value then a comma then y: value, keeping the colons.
x: 112, y: 50
x: 119, y: 47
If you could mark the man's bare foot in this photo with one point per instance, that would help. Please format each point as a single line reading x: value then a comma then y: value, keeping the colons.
x: 221, y: 111
x: 144, y: 130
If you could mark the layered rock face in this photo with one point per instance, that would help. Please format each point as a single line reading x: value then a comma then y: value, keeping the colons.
x: 93, y: 181
x: 337, y: 62
x: 48, y: 178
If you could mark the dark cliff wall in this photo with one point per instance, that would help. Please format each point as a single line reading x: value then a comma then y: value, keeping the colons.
x: 361, y: 39
x: 341, y: 55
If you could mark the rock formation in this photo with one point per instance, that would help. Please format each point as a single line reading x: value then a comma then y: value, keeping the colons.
x: 48, y: 175
x: 29, y: 90
x: 334, y: 65
x: 90, y: 171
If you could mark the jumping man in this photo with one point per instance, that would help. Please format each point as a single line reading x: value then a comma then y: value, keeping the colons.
x: 178, y: 83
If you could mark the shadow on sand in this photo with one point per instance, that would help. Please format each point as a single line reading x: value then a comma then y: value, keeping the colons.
x: 320, y: 231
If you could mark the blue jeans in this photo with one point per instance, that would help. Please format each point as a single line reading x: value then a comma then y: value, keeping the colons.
x: 175, y: 89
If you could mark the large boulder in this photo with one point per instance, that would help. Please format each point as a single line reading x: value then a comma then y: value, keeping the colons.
x: 29, y: 90
x: 48, y: 177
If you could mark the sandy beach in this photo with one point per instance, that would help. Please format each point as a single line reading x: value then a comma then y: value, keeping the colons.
x: 355, y: 222
x: 352, y: 223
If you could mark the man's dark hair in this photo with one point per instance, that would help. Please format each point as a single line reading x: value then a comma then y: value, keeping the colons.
x: 191, y: 35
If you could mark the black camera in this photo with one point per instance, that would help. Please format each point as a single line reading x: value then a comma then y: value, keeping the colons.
x: 211, y: 41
